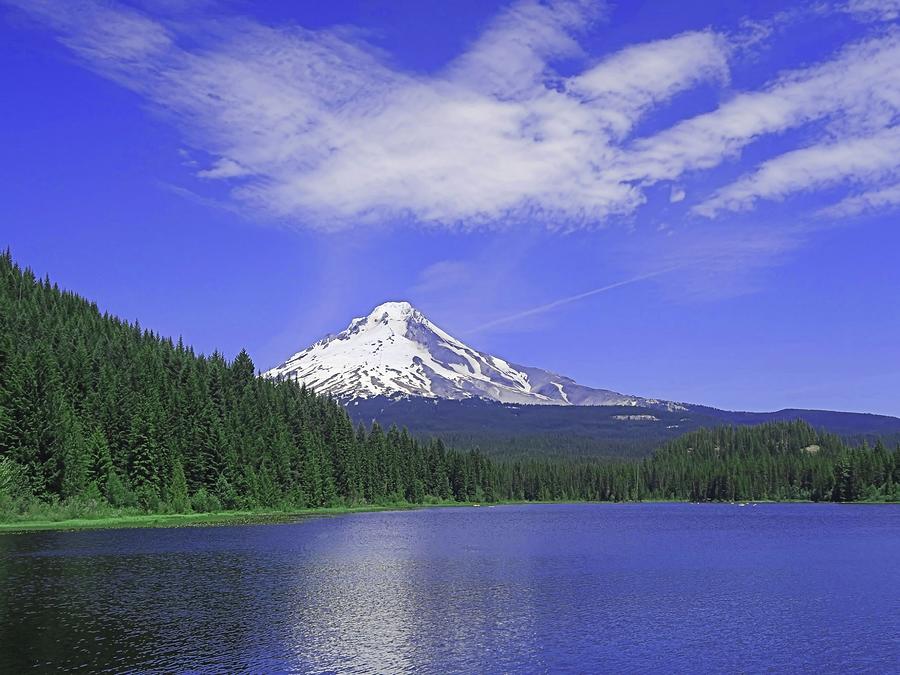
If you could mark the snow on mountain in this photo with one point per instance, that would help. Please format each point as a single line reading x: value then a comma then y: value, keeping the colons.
x: 396, y: 351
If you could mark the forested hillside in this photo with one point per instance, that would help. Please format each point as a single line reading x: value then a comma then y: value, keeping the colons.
x: 94, y: 408
x: 778, y: 460
x: 510, y: 431
x: 100, y: 413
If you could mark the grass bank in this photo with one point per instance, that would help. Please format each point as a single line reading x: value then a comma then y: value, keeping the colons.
x: 136, y: 520
x: 133, y: 520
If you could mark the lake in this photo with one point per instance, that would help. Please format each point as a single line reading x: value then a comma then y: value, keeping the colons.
x: 540, y: 588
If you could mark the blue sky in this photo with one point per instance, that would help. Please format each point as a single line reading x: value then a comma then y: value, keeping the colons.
x: 668, y: 199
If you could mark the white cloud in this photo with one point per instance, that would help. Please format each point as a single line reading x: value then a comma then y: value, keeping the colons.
x: 316, y: 127
x: 814, y: 167
x: 622, y: 87
x: 859, y: 87
x: 510, y: 59
x: 224, y: 168
x: 118, y: 37
x: 874, y: 10
x: 881, y: 198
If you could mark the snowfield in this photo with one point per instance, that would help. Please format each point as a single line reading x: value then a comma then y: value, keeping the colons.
x: 397, y: 351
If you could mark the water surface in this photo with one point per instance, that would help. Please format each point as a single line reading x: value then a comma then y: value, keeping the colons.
x: 539, y: 588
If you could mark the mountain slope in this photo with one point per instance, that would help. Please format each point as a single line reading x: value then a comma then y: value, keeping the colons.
x: 397, y: 351
x: 99, y: 418
x: 504, y: 429
x: 397, y: 367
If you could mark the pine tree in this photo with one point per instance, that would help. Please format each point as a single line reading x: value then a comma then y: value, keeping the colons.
x: 75, y: 453
x: 144, y: 467
x: 100, y: 461
x: 177, y: 492
x: 242, y: 371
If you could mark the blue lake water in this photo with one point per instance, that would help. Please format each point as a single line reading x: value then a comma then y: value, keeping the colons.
x: 540, y: 588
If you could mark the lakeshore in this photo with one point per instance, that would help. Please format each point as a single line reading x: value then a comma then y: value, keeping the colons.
x: 169, y: 520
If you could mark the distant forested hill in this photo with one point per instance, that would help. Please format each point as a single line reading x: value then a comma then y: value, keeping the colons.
x: 97, y: 414
x: 511, y: 430
x: 776, y: 460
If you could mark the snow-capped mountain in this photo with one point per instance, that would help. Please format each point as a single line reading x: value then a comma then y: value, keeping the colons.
x: 396, y: 351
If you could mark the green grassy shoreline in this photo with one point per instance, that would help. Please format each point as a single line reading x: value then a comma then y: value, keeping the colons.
x: 199, y: 519
x: 274, y: 517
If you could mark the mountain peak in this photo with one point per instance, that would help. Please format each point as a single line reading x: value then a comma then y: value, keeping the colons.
x: 394, y: 309
x: 397, y: 351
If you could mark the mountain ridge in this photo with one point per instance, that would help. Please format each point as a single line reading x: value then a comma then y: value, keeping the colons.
x: 395, y: 366
x: 595, y: 431
x: 397, y: 351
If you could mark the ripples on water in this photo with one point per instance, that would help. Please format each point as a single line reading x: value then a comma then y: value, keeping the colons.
x: 540, y: 588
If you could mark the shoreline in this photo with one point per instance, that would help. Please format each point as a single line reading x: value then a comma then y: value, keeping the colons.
x: 164, y: 520
x: 173, y: 520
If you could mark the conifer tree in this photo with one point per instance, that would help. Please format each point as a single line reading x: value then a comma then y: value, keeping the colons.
x: 178, y: 490
x: 100, y: 461
x: 144, y: 467
x: 76, y: 457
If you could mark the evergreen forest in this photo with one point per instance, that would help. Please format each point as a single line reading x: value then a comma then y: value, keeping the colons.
x: 101, y: 416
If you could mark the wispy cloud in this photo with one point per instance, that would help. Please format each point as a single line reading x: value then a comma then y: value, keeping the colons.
x: 314, y: 126
x: 318, y: 128
x: 622, y: 88
x: 860, y: 159
x: 494, y: 290
x: 874, y: 10
x: 549, y: 306
x: 881, y: 198
x: 710, y: 262
x: 856, y: 90
x: 493, y: 279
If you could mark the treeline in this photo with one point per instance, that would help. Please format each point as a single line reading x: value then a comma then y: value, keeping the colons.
x: 507, y: 431
x: 94, y: 409
x: 775, y: 461
x: 98, y: 413
x: 779, y: 461
x: 516, y: 431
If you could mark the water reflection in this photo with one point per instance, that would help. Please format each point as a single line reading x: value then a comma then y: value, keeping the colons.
x: 539, y: 589
x: 373, y: 602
